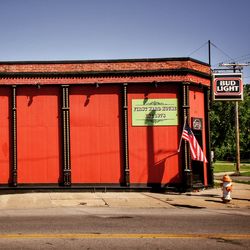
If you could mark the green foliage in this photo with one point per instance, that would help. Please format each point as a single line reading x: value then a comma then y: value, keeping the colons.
x: 223, y: 128
x: 244, y: 119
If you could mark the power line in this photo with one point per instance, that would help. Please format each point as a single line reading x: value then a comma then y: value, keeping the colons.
x: 222, y: 51
x: 198, y: 48
x: 244, y: 57
x: 230, y: 60
x: 239, y: 59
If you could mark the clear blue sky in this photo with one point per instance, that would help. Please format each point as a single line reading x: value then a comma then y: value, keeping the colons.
x: 111, y: 29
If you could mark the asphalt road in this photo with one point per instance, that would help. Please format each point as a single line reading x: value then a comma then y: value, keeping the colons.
x: 114, y: 228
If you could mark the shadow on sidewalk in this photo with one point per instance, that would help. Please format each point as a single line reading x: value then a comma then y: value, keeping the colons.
x: 187, y: 206
x: 215, y: 201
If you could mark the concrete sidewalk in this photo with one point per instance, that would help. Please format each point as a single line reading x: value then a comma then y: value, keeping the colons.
x: 207, y: 198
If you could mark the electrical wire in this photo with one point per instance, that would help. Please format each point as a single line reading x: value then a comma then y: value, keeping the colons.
x: 239, y: 58
x: 222, y: 51
x: 198, y: 49
x: 244, y: 57
x: 236, y: 59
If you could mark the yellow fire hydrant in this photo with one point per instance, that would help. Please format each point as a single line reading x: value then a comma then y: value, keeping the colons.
x: 226, y: 188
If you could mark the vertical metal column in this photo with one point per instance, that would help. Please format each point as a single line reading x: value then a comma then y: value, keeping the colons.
x: 66, y: 136
x: 125, y: 135
x: 187, y: 161
x: 210, y: 170
x: 14, y: 137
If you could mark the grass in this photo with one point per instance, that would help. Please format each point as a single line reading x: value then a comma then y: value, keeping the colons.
x: 245, y: 174
x: 243, y: 182
x: 224, y: 166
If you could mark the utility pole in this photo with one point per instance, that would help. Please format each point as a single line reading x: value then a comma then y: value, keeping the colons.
x: 237, y: 131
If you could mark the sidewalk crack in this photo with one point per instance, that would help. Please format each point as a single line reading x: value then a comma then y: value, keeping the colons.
x: 158, y: 199
x: 105, y: 203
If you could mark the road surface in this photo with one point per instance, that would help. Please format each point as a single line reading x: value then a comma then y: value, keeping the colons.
x: 126, y: 228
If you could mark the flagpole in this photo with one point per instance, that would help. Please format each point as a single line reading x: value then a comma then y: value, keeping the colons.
x: 185, y: 120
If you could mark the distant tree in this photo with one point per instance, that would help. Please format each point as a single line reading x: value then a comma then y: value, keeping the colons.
x: 244, y: 119
x: 223, y: 128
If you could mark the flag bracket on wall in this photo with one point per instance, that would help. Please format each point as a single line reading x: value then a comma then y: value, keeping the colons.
x: 195, y: 149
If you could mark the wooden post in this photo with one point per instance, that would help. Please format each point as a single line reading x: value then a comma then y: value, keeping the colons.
x: 237, y: 131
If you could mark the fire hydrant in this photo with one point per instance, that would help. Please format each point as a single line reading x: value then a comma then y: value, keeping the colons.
x: 226, y: 188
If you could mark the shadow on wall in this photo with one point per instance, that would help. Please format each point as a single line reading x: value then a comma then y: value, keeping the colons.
x: 156, y: 172
x: 156, y: 169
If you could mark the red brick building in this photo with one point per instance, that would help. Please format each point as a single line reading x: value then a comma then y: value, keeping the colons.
x: 102, y: 124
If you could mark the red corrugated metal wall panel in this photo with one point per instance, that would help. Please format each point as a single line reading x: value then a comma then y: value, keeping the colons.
x: 153, y: 150
x: 197, y: 109
x: 38, y: 135
x: 95, y: 134
x: 5, y: 99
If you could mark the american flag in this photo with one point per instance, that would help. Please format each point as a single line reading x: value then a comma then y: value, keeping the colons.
x: 196, y: 151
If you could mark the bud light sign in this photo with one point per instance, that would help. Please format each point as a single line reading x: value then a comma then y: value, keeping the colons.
x: 228, y: 87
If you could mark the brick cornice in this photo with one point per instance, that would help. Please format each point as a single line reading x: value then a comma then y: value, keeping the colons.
x: 112, y: 65
x: 75, y: 72
x: 121, y: 73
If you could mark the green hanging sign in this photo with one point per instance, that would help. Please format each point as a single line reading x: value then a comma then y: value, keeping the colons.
x: 154, y: 112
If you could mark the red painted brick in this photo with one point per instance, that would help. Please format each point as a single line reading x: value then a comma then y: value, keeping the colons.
x: 101, y: 66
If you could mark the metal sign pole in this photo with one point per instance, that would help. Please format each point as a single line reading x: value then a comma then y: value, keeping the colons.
x: 237, y: 137
x: 237, y: 132
x: 238, y: 66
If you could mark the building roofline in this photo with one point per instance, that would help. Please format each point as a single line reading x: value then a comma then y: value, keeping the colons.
x: 181, y: 71
x: 105, y: 61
